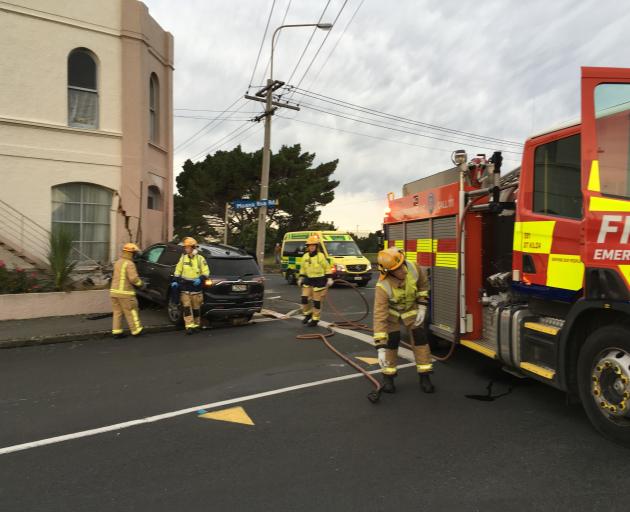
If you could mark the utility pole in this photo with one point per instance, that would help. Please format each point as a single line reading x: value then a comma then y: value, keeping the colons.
x: 267, y: 92
x: 227, y: 223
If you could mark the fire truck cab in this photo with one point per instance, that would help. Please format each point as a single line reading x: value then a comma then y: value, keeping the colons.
x: 532, y: 267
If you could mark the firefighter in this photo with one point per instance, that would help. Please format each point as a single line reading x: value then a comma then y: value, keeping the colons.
x: 315, y: 278
x: 123, y: 294
x: 400, y: 296
x: 190, y: 274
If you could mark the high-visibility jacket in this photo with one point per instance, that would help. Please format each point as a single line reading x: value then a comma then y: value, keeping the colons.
x: 125, y: 277
x: 315, y: 269
x: 189, y: 268
x: 397, y: 299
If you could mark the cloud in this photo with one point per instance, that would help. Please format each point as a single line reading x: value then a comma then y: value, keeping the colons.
x: 500, y: 68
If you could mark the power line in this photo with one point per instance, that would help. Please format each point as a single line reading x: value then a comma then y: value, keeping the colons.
x: 210, y: 118
x: 308, y: 43
x: 197, y: 134
x: 212, y: 111
x: 338, y: 40
x: 284, y: 18
x: 251, y: 78
x: 230, y: 136
x: 398, y: 129
x: 378, y: 113
x: 343, y: 6
x: 384, y: 139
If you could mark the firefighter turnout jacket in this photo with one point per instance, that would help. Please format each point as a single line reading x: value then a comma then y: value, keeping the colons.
x: 189, y: 268
x: 125, y: 277
x: 315, y: 270
x: 397, y: 300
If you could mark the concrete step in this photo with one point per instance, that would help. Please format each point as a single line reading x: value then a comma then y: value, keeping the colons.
x: 12, y: 260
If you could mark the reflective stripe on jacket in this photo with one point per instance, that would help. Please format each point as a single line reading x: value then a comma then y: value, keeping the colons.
x: 190, y: 268
x: 398, y: 298
x: 125, y: 277
x: 315, y: 270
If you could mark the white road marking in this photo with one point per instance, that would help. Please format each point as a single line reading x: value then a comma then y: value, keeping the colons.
x: 181, y: 412
x: 275, y: 297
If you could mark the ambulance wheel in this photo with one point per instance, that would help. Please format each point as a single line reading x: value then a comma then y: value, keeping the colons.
x: 174, y: 313
x: 603, y: 375
x: 290, y: 277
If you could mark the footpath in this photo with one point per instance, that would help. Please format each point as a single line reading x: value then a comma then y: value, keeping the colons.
x: 41, y: 331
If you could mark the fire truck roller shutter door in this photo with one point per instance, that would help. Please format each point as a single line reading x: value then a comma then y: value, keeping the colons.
x: 395, y: 236
x: 419, y: 245
x: 444, y: 273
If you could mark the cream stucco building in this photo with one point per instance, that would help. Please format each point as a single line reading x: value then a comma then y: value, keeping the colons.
x: 86, y: 134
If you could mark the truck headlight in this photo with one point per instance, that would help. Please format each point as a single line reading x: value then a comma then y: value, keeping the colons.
x: 340, y: 268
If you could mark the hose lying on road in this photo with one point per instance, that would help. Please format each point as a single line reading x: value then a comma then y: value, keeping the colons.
x: 357, y: 325
x: 344, y: 323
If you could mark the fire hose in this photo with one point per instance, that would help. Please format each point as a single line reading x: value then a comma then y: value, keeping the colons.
x: 343, y: 322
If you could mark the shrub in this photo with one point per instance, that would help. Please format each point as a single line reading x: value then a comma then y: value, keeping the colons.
x: 21, y: 281
x: 61, y: 266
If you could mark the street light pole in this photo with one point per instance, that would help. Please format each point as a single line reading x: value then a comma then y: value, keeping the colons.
x: 266, y: 160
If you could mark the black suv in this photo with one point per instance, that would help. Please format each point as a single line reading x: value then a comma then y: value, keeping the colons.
x: 234, y: 291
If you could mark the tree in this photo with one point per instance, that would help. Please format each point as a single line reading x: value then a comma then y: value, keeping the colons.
x: 205, y: 187
x: 368, y: 244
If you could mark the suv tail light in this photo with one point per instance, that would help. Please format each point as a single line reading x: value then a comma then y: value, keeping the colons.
x: 211, y: 282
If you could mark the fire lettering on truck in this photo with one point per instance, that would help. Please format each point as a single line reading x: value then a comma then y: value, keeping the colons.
x: 611, y: 224
x: 612, y: 254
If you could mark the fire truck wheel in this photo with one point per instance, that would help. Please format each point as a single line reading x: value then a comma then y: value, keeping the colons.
x: 604, y: 381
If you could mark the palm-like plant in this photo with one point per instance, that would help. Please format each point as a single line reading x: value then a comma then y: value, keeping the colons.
x: 61, y: 264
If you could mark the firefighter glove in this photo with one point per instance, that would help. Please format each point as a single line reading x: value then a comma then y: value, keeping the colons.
x: 197, y: 282
x: 329, y: 282
x: 300, y: 281
x: 174, y: 284
x: 420, y: 316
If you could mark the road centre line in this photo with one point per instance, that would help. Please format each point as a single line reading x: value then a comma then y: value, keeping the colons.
x: 159, y: 417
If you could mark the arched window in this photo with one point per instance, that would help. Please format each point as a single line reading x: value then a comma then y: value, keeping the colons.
x: 154, y: 108
x: 82, y: 89
x: 83, y: 210
x: 154, y: 198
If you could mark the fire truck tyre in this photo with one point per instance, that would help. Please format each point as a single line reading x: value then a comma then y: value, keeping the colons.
x: 604, y: 381
x: 174, y: 312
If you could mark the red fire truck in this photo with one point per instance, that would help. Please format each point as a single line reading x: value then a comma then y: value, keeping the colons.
x: 532, y: 267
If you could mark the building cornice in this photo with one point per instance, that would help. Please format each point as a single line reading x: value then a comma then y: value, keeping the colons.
x: 59, y: 127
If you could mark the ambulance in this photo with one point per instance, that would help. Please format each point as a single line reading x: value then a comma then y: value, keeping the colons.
x: 340, y: 248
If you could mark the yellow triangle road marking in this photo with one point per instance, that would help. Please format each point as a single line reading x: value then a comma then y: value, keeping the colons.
x: 368, y: 360
x: 233, y: 415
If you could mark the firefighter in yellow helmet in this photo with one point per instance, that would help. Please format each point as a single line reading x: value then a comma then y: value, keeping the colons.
x: 401, y: 297
x: 123, y: 294
x: 190, y: 275
x: 315, y: 278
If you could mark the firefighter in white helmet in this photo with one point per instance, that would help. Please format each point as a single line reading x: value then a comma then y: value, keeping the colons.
x: 190, y: 275
x: 315, y: 278
x: 401, y: 297
x: 125, y: 280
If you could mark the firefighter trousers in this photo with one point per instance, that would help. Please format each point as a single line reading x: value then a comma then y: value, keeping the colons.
x: 421, y: 350
x: 191, y: 307
x: 312, y: 301
x: 127, y: 307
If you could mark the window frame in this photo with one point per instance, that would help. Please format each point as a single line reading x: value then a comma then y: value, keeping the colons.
x: 551, y: 139
x: 154, y: 109
x: 151, y: 196
x: 69, y: 88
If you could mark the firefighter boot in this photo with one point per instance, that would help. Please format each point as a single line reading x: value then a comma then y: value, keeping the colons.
x: 119, y: 335
x: 313, y: 323
x: 307, y: 318
x: 425, y: 383
x: 388, y: 384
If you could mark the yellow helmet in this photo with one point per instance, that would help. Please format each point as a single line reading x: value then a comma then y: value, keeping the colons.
x: 312, y: 240
x: 189, y: 242
x: 129, y: 247
x: 390, y: 259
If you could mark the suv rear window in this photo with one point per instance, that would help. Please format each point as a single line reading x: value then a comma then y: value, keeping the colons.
x: 232, y: 267
x: 171, y: 255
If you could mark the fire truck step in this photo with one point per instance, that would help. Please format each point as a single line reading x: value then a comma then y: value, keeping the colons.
x: 540, y: 327
x: 487, y: 348
x: 541, y: 371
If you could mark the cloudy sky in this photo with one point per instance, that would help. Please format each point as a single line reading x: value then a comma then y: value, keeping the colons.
x: 502, y: 69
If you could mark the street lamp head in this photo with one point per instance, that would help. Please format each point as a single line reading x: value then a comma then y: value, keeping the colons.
x: 324, y: 26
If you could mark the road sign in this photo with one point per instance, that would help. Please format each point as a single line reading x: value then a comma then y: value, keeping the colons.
x: 239, y: 204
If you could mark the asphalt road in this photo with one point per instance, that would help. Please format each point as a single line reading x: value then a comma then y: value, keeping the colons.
x: 318, y: 447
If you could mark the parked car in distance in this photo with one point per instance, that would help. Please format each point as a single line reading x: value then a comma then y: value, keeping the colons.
x: 235, y: 289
